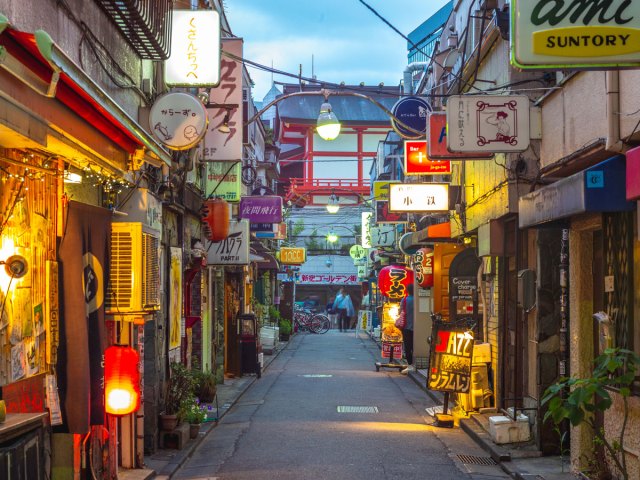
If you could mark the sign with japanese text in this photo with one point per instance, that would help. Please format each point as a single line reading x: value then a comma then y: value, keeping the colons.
x: 388, y: 347
x: 383, y: 236
x: 381, y: 189
x: 277, y: 231
x: 450, y: 359
x: 233, y: 250
x: 437, y: 146
x: 384, y: 215
x: 226, y: 145
x: 328, y: 279
x: 357, y: 251
x: 223, y: 180
x: 366, y: 229
x: 393, y: 281
x: 488, y: 123
x: 293, y: 255
x: 195, y: 49
x: 417, y: 162
x: 423, y: 267
x: 261, y: 209
x: 419, y: 197
x: 569, y: 35
x: 178, y: 120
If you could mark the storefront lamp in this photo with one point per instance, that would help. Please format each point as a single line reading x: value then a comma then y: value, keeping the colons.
x: 15, y: 266
x: 394, y: 280
x: 328, y: 126
x: 122, y: 380
x: 333, y: 205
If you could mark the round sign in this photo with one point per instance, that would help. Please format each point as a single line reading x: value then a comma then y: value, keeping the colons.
x: 357, y: 251
x: 394, y: 280
x: 178, y: 120
x: 412, y: 111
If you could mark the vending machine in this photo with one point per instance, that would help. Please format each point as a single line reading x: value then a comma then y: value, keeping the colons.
x: 249, y: 344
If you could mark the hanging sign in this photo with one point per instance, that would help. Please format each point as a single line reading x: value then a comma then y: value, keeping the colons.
x: 488, y: 123
x: 223, y: 180
x: 412, y: 111
x: 357, y: 251
x: 178, y: 120
x: 233, y: 250
x: 383, y: 236
x: 423, y: 267
x: 195, y: 49
x: 366, y: 229
x: 419, y: 197
x: 394, y: 280
x: 437, y: 141
x: 261, y: 209
x: 417, y: 162
x: 569, y: 35
x: 450, y: 359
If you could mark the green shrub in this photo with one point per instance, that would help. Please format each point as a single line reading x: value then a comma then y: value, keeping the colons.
x: 285, y: 326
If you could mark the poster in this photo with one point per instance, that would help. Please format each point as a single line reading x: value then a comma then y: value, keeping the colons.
x: 175, y: 297
x: 31, y: 349
x: 38, y: 319
x: 18, y: 362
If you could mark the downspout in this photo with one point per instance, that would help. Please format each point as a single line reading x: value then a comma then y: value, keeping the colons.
x: 407, y: 75
x: 614, y: 142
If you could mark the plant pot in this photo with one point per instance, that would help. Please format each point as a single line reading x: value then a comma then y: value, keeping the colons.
x: 194, y: 429
x: 168, y: 423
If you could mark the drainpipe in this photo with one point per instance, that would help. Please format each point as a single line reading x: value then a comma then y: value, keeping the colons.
x: 614, y: 143
x: 407, y: 75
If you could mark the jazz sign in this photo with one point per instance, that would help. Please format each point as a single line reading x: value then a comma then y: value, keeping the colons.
x: 450, y: 359
x: 560, y: 34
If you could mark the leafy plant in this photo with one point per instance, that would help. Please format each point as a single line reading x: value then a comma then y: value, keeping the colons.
x: 285, y: 326
x: 192, y: 411
x: 274, y: 314
x: 577, y: 399
x: 204, y: 385
x: 179, y: 387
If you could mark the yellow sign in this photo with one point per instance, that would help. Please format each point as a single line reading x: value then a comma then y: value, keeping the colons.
x: 586, y: 42
x: 293, y: 256
x: 381, y: 189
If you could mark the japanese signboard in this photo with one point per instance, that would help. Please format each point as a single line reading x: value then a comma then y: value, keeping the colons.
x: 328, y: 279
x: 552, y: 35
x: 195, y: 49
x: 450, y: 359
x: 366, y: 229
x: 437, y: 141
x: 417, y: 162
x: 383, y: 236
x: 419, y: 197
x: 226, y: 145
x: 223, y: 180
x: 233, y: 250
x: 293, y: 255
x: 488, y: 123
x: 357, y: 251
x: 412, y: 111
x: 261, y: 209
x: 423, y: 267
x: 381, y: 189
x: 178, y: 120
x: 384, y: 215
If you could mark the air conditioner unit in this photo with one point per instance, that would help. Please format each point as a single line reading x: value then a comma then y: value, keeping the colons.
x: 134, y: 281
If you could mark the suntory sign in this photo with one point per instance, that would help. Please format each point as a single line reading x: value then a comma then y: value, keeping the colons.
x: 574, y: 34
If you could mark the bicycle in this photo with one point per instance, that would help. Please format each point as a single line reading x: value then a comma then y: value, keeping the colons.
x: 312, y: 322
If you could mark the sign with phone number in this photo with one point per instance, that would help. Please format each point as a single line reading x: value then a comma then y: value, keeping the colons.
x: 450, y: 362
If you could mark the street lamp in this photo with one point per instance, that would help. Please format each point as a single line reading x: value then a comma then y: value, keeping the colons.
x: 332, y: 237
x: 333, y: 205
x: 328, y: 125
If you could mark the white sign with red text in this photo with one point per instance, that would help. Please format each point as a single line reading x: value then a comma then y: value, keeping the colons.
x: 328, y: 279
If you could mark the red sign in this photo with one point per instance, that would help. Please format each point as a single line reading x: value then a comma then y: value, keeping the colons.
x: 417, y: 162
x: 394, y: 280
x: 438, y: 140
x: 423, y: 267
x: 387, y: 347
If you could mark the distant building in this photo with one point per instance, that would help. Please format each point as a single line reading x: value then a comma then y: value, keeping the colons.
x: 270, y: 115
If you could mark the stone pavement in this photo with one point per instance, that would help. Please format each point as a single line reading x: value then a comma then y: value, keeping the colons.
x: 520, y: 463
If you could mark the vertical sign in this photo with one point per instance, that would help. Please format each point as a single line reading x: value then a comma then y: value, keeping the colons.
x: 366, y: 230
x: 175, y: 297
x: 52, y: 327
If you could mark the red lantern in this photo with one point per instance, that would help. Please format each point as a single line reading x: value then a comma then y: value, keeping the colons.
x: 394, y: 280
x: 121, y: 380
x: 423, y: 266
x: 216, y: 219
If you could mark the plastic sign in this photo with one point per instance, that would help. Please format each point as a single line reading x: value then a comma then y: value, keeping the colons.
x: 365, y: 242
x: 293, y: 255
x: 450, y: 362
x: 381, y: 189
x: 394, y: 280
x: 178, y: 120
x: 417, y: 162
x: 195, y: 49
x: 233, y: 250
x: 121, y: 380
x: 488, y: 123
x: 419, y: 197
x: 423, y: 267
x: 413, y: 112
x: 558, y: 35
x: 357, y: 251
x: 261, y: 209
x: 437, y: 141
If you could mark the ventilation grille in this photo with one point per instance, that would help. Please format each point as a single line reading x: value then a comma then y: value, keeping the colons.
x: 151, y: 284
x: 474, y: 460
x: 120, y: 291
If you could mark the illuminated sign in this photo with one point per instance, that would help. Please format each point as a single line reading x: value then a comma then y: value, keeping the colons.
x: 555, y: 34
x: 488, y: 123
x: 417, y: 162
x: 450, y: 360
x: 293, y: 255
x: 419, y: 197
x: 437, y: 144
x: 195, y: 49
x: 381, y: 189
x: 423, y: 267
x: 178, y: 120
x: 357, y: 251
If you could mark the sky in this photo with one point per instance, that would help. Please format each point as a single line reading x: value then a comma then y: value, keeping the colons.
x: 345, y: 39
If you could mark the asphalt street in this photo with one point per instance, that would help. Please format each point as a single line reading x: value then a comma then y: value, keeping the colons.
x: 321, y: 411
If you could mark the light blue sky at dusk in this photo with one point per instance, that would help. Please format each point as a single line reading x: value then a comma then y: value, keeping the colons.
x: 347, y: 41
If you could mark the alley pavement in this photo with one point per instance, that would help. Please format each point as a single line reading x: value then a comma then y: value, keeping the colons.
x: 517, y: 461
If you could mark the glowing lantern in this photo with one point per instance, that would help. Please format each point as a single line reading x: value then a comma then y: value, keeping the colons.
x: 394, y: 280
x: 216, y: 219
x: 121, y: 380
x: 423, y: 266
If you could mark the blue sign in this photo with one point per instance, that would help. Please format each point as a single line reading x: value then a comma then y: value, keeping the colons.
x: 595, y: 179
x: 413, y: 112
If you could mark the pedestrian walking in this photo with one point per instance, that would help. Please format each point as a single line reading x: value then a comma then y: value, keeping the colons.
x: 407, y: 332
x: 343, y: 306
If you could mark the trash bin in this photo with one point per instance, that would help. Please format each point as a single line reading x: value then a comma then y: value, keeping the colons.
x: 249, y: 344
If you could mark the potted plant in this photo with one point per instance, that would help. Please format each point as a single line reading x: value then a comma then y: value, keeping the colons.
x: 194, y: 413
x: 285, y: 329
x: 205, y: 385
x: 179, y: 387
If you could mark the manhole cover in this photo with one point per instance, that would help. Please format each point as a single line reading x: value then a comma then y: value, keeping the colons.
x: 352, y: 409
x: 315, y: 375
x: 473, y: 460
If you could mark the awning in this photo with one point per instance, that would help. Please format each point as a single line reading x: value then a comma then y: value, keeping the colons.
x: 438, y: 233
x: 38, y: 62
x: 600, y: 188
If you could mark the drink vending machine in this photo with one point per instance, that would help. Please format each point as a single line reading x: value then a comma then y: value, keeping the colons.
x: 249, y: 344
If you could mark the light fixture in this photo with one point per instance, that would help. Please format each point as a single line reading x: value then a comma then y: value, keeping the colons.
x: 72, y: 175
x: 15, y: 266
x: 333, y: 204
x: 332, y: 237
x: 121, y: 380
x: 328, y: 126
x: 224, y: 128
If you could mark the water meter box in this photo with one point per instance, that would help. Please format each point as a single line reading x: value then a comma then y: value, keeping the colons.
x: 505, y: 430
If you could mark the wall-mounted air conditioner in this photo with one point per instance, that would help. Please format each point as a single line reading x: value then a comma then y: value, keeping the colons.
x: 134, y: 281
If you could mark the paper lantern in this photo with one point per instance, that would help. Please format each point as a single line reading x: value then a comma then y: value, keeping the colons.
x: 423, y: 266
x: 394, y: 280
x: 216, y: 219
x: 121, y: 380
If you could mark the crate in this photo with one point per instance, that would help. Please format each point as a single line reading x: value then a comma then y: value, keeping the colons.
x: 505, y: 430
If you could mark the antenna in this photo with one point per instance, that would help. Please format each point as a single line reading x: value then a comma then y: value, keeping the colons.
x: 312, y: 68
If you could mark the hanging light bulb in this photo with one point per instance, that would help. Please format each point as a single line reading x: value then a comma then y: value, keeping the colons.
x: 332, y: 237
x: 333, y: 204
x: 328, y: 126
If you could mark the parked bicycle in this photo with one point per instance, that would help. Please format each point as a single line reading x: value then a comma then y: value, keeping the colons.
x: 308, y: 321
